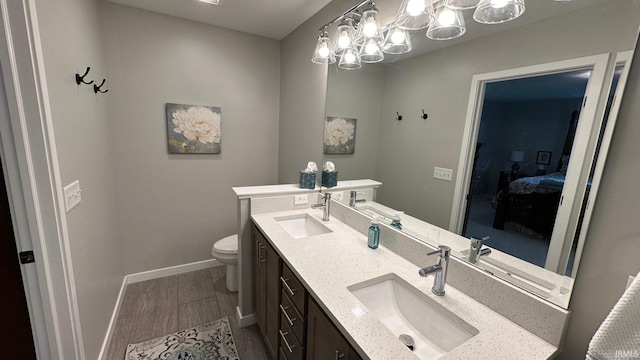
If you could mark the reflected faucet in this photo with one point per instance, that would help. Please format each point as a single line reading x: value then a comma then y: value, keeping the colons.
x: 440, y: 269
x: 353, y: 198
x: 326, y: 205
x: 476, y: 250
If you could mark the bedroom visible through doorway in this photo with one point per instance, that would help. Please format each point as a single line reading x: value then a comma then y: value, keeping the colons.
x: 524, y: 143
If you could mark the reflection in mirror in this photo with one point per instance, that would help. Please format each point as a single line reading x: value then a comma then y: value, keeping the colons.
x: 403, y: 154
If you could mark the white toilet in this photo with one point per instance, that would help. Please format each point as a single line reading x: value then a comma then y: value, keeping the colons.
x: 226, y: 251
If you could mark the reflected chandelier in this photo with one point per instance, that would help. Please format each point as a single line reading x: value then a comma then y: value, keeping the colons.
x: 360, y: 38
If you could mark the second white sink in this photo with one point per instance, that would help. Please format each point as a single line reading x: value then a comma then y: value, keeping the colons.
x: 405, y: 310
x: 302, y: 226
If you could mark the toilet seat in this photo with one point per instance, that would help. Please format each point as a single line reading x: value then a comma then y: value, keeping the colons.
x: 226, y: 246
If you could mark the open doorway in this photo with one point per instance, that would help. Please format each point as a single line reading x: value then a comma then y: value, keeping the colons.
x: 557, y: 156
x: 526, y: 133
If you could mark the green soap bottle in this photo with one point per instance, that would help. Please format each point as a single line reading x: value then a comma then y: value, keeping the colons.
x: 374, y: 234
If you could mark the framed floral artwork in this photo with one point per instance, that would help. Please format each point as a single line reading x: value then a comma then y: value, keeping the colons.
x: 339, y: 135
x: 194, y: 129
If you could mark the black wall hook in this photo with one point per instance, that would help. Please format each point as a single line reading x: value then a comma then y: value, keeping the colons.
x: 424, y: 116
x: 80, y: 78
x: 96, y: 88
x: 398, y: 117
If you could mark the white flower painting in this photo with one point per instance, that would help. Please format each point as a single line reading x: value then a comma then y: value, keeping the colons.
x: 194, y: 129
x: 339, y: 135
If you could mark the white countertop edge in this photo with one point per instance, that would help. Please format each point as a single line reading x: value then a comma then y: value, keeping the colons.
x: 321, y: 264
x: 243, y: 192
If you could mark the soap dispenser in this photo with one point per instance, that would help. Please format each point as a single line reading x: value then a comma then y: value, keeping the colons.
x: 374, y: 234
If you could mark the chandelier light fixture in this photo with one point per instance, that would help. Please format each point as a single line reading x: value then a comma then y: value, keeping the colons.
x: 360, y: 37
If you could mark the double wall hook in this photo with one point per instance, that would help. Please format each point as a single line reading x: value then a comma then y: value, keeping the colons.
x: 96, y: 88
x: 398, y: 117
x: 424, y: 116
x: 80, y: 78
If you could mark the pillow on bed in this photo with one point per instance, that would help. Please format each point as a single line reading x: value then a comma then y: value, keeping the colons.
x: 565, y: 164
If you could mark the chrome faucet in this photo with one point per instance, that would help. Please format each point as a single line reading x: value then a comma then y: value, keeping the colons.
x: 326, y: 205
x: 476, y: 250
x: 440, y: 269
x: 353, y: 198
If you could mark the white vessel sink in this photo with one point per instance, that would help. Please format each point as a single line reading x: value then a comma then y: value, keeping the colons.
x: 302, y: 226
x: 405, y: 310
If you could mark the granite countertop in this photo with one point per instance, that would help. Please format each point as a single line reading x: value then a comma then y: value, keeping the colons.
x: 327, y: 264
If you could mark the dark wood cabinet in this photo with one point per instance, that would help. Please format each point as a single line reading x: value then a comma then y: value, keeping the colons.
x: 291, y: 322
x: 266, y: 290
x: 324, y: 340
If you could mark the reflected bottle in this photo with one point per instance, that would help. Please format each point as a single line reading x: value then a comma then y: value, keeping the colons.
x: 374, y: 234
x: 395, y: 221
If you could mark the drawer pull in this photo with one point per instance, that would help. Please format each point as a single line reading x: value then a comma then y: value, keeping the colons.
x: 291, y: 291
x: 284, y: 338
x: 284, y: 312
x: 338, y: 355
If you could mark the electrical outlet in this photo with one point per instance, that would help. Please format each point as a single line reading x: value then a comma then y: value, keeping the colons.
x: 443, y: 174
x: 301, y: 199
x: 337, y: 196
x: 72, y: 195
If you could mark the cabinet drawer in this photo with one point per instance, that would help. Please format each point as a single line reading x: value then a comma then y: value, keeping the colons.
x: 289, y: 344
x: 293, y: 288
x: 291, y: 316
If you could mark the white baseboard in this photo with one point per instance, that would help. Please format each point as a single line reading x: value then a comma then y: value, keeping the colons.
x: 112, y: 323
x: 173, y: 270
x: 144, y: 276
x: 247, y: 320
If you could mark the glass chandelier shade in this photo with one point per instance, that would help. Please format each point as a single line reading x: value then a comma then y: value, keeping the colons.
x: 498, y: 11
x: 397, y: 41
x: 370, y: 51
x: 415, y: 14
x: 448, y: 24
x: 323, y: 54
x: 369, y: 27
x: 350, y: 60
x: 461, y: 4
x: 344, y: 37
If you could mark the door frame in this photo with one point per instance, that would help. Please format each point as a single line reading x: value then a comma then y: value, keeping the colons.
x: 32, y: 175
x: 625, y: 58
x: 598, y: 63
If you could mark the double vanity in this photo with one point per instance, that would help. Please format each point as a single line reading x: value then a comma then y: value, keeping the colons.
x: 318, y: 291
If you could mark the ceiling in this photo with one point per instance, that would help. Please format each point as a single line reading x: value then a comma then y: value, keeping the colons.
x: 273, y: 19
x: 276, y: 19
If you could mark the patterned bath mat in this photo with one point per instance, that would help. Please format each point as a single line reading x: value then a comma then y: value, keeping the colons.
x: 212, y: 341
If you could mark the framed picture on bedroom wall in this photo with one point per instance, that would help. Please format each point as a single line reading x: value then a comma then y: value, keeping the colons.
x: 544, y: 158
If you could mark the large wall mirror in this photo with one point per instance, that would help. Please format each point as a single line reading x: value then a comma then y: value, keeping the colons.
x: 520, y: 114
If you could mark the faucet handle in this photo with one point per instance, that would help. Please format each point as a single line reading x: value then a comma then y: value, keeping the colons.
x: 443, y: 250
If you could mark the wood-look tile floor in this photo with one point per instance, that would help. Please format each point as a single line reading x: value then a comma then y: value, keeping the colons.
x: 158, y: 307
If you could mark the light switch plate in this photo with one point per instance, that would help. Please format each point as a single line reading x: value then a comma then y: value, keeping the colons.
x: 443, y: 174
x: 72, y: 195
x: 300, y: 199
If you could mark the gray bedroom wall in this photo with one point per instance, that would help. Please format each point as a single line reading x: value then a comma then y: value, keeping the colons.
x: 172, y: 208
x: 71, y: 41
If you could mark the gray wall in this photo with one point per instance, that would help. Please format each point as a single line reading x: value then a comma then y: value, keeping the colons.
x: 439, y: 82
x: 302, y: 96
x: 171, y: 208
x: 611, y: 249
x: 71, y: 41
x: 613, y: 227
x: 360, y: 99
